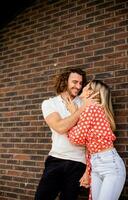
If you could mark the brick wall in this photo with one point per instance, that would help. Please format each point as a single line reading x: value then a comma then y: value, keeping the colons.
x: 34, y: 47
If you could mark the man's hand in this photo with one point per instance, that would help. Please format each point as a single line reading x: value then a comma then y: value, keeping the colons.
x: 92, y: 98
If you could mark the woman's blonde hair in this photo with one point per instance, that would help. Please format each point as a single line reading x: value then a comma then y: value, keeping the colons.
x: 104, y: 98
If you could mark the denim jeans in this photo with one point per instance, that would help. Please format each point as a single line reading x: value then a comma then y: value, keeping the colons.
x: 108, y: 175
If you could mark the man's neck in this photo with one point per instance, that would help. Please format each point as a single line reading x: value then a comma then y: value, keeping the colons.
x: 66, y: 95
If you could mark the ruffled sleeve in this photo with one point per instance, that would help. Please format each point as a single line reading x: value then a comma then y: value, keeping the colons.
x: 78, y: 133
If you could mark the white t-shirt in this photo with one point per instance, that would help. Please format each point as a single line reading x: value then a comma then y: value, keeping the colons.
x: 61, y: 146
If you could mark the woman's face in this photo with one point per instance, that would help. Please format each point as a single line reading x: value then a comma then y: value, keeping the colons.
x: 87, y: 91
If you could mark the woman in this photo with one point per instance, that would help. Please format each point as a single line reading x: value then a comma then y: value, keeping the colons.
x: 94, y: 129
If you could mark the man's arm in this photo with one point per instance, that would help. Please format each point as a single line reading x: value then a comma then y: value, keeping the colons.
x: 60, y: 125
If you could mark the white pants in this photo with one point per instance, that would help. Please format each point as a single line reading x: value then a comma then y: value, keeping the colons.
x: 108, y: 175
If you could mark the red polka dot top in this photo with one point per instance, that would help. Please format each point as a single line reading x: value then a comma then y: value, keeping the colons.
x: 93, y: 130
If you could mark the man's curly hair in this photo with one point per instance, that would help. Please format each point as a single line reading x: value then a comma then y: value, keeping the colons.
x: 62, y: 80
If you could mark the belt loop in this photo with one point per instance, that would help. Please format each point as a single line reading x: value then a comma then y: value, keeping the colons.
x: 98, y: 156
x: 114, y: 151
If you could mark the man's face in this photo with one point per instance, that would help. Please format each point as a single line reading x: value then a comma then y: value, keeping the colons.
x: 74, y: 84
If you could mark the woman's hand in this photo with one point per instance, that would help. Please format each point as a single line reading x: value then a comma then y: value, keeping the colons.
x: 85, y: 180
x: 70, y: 105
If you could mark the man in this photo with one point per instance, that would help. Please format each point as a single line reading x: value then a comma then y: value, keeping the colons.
x: 65, y: 163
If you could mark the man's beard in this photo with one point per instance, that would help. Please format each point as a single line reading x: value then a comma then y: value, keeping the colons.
x: 71, y: 93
